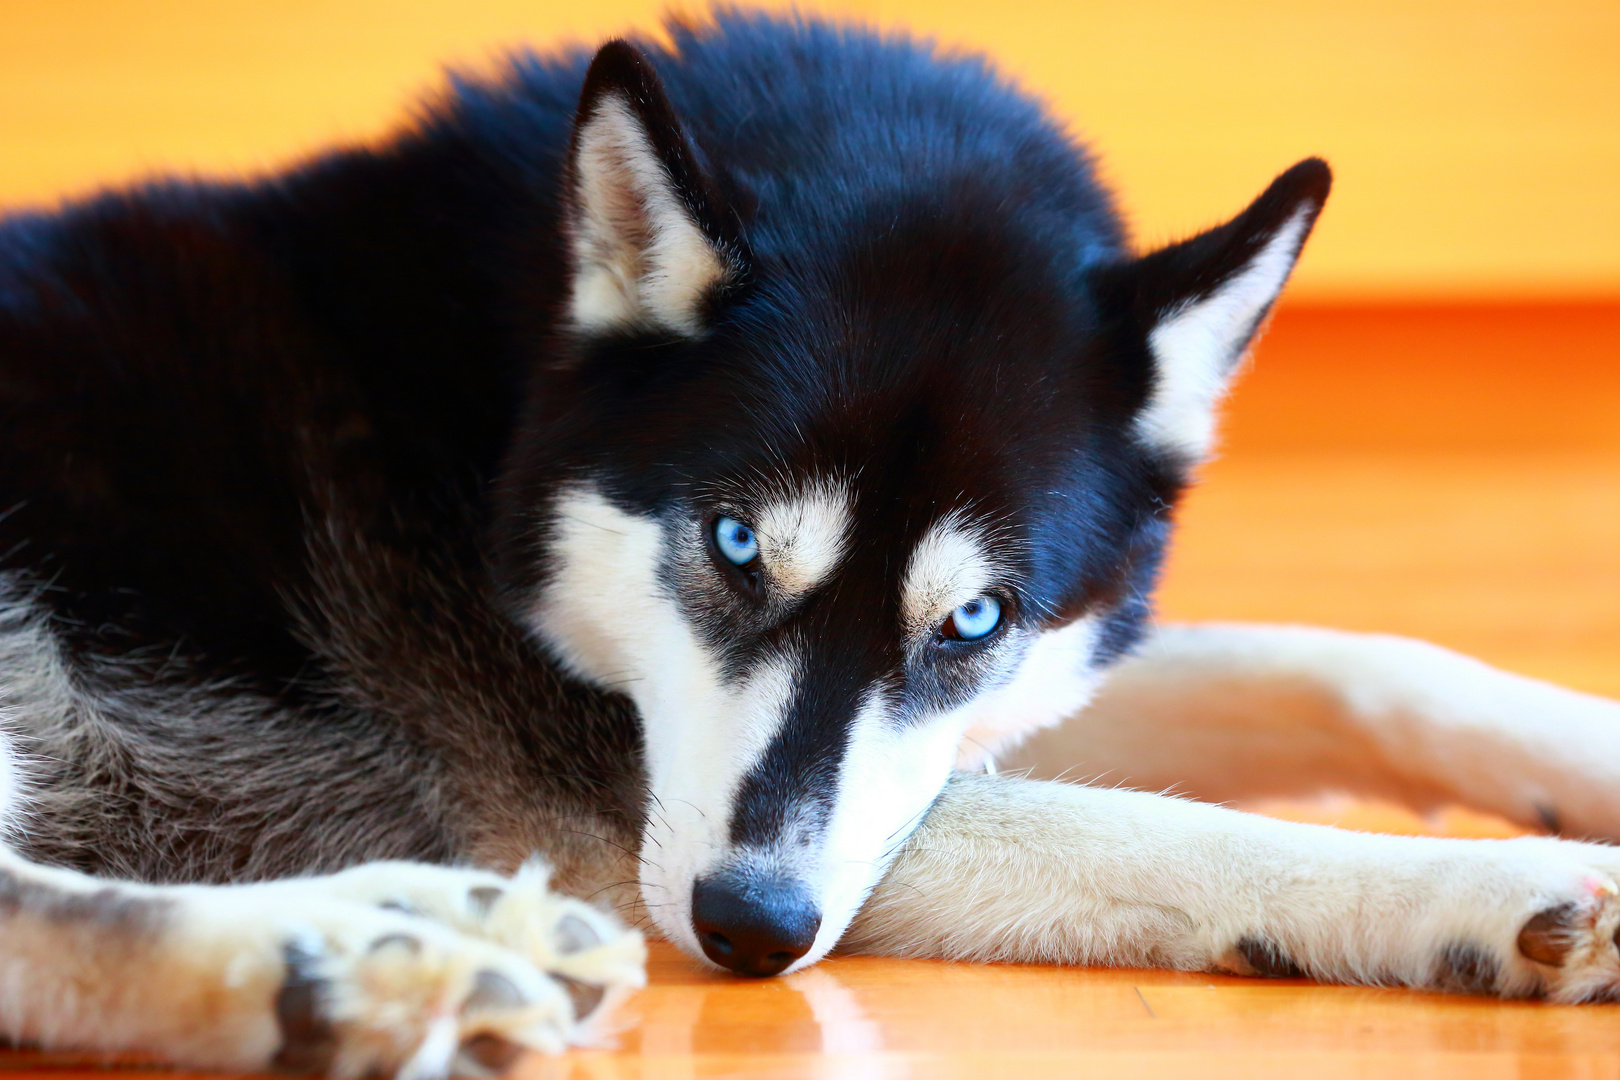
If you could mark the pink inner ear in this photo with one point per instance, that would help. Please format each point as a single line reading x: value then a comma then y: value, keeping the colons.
x: 641, y: 260
x: 650, y: 236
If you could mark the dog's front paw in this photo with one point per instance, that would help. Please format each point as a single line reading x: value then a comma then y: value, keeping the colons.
x: 1530, y: 917
x: 597, y: 961
x: 1570, y: 939
x: 369, y: 992
x: 1537, y: 917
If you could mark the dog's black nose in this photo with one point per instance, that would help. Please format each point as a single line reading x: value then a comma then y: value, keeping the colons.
x: 753, y: 926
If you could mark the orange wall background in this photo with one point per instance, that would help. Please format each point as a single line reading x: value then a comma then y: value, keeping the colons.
x: 1477, y: 142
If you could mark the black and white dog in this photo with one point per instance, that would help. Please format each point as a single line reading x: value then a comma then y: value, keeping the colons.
x: 691, y: 466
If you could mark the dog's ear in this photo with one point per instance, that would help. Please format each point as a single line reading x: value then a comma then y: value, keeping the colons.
x: 651, y: 240
x: 1199, y: 303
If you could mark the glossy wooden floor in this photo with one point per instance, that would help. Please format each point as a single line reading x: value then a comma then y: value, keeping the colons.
x: 1452, y: 473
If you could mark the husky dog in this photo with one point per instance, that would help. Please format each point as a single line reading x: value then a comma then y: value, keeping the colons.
x: 679, y: 472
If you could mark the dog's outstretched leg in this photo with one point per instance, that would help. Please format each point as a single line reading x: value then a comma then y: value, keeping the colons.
x: 314, y: 975
x: 1228, y: 711
x: 1007, y: 869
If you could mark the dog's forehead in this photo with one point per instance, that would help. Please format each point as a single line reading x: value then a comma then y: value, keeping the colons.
x: 951, y: 438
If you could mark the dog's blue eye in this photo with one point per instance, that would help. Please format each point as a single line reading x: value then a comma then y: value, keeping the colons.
x: 974, y: 619
x: 736, y: 541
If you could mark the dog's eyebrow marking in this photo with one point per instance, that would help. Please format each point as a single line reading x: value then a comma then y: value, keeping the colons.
x: 949, y: 566
x: 803, y: 536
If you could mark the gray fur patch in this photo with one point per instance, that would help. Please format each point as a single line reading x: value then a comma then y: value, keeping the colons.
x: 138, y: 770
x: 1465, y: 968
x: 110, y: 908
x: 434, y: 715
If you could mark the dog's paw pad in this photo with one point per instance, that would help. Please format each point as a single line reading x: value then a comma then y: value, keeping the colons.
x: 1550, y: 934
x: 574, y: 935
x: 1258, y: 957
x: 585, y: 997
x: 591, y: 960
x: 481, y: 899
x: 490, y: 1052
x: 492, y: 990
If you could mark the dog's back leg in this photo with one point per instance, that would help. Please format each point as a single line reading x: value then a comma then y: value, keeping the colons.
x: 1009, y: 869
x: 1233, y: 711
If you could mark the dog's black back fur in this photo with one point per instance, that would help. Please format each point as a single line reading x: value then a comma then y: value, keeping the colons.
x: 274, y: 442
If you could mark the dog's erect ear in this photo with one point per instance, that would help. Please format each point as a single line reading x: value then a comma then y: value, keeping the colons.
x: 1199, y: 304
x: 651, y: 239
